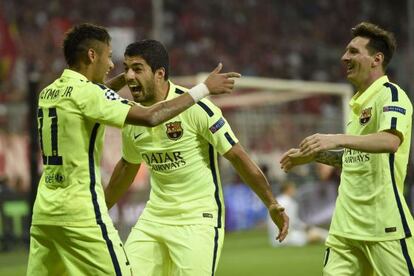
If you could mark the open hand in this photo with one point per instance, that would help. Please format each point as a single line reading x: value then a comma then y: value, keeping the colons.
x: 279, y: 217
x: 317, y: 143
x: 220, y: 83
x: 295, y: 157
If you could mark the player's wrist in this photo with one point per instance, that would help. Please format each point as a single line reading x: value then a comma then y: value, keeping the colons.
x: 275, y: 206
x: 199, y: 91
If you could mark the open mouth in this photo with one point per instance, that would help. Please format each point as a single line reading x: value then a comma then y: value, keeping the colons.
x: 135, y: 88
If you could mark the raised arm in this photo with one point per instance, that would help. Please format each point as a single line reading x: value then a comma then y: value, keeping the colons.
x: 122, y: 177
x: 215, y: 84
x: 254, y: 177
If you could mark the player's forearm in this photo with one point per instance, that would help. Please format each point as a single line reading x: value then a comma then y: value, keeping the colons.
x: 121, y: 178
x: 165, y: 110
x: 251, y: 175
x: 330, y: 157
x: 381, y: 142
x: 116, y: 83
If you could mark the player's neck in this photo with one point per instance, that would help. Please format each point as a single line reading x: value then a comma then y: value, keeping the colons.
x: 369, y: 81
x: 84, y: 70
x: 162, y: 93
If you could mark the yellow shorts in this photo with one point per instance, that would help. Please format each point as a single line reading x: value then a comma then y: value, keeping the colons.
x: 159, y: 249
x: 61, y: 250
x: 363, y: 258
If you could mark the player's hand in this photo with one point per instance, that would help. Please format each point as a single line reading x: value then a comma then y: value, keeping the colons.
x: 279, y: 217
x: 295, y: 157
x: 220, y: 83
x: 317, y: 143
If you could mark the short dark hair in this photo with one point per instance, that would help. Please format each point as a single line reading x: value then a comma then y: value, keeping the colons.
x: 153, y: 52
x: 380, y: 40
x: 82, y: 37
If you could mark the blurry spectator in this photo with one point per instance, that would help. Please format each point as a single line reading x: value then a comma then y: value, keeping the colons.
x: 300, y: 233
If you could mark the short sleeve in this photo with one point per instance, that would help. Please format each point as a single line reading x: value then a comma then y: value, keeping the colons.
x: 129, y: 151
x: 102, y: 104
x: 212, y: 126
x: 395, y: 110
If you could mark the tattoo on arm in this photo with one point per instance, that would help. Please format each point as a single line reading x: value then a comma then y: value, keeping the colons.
x: 330, y: 157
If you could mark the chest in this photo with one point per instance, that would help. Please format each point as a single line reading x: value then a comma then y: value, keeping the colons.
x: 176, y: 134
x: 364, y: 119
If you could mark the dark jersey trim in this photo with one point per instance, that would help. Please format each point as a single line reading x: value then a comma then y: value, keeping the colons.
x: 394, y: 91
x: 216, y: 237
x: 229, y: 139
x: 394, y: 186
x: 216, y: 184
x: 407, y: 257
x: 95, y: 203
x: 206, y: 108
x: 179, y: 91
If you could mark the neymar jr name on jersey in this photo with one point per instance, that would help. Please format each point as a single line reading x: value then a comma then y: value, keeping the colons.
x: 51, y: 94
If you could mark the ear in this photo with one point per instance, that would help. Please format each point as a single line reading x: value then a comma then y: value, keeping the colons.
x: 160, y: 73
x: 92, y: 55
x: 378, y: 59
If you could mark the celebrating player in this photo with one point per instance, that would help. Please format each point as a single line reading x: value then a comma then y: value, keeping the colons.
x: 181, y: 229
x: 71, y: 232
x: 371, y: 229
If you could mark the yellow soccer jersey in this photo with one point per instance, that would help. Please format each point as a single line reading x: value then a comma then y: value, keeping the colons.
x: 71, y: 117
x: 181, y: 155
x: 370, y: 204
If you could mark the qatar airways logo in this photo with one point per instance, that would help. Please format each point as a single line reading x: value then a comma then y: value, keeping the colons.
x: 164, y: 161
x: 355, y: 156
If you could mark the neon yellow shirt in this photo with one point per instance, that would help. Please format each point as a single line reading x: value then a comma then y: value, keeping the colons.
x: 181, y: 155
x: 71, y: 117
x: 370, y: 204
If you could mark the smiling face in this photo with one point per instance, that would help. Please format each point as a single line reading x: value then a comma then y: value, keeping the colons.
x: 102, y: 63
x: 359, y: 62
x: 140, y: 80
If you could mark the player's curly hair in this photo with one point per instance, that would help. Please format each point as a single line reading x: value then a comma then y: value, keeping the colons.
x: 153, y: 52
x: 380, y: 40
x: 80, y: 38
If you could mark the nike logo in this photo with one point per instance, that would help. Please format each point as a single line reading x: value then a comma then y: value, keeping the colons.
x: 136, y: 136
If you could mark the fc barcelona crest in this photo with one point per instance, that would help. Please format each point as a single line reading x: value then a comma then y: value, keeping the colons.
x: 174, y: 130
x: 365, y: 116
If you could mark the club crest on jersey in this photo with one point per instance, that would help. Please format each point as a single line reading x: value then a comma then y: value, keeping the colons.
x: 365, y: 116
x: 174, y: 130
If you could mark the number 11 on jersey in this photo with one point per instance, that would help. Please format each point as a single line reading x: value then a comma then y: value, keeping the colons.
x: 54, y: 158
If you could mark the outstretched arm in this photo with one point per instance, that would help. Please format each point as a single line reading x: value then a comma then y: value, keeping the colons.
x: 381, y: 142
x: 295, y: 157
x: 122, y: 177
x: 253, y: 176
x: 215, y: 84
x: 323, y: 148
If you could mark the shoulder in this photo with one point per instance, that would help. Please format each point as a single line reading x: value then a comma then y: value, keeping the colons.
x: 394, y: 93
x: 202, y: 107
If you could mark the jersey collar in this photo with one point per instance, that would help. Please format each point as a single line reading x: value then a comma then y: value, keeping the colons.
x: 68, y: 73
x: 361, y: 97
x: 171, y: 91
